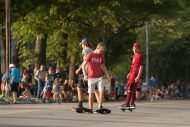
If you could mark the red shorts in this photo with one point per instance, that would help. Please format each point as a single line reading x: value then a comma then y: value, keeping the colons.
x: 132, y: 87
x: 48, y: 94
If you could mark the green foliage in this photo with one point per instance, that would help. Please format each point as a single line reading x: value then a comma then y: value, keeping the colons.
x: 169, y: 47
x: 117, y: 23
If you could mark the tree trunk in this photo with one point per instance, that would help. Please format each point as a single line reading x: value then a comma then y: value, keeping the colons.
x: 72, y: 67
x: 16, y: 52
x: 40, y: 50
x: 3, y: 51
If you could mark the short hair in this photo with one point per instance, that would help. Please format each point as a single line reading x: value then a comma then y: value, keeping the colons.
x: 101, y: 44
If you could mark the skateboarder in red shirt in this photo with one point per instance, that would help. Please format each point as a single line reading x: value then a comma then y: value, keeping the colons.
x: 96, y: 71
x: 133, y: 77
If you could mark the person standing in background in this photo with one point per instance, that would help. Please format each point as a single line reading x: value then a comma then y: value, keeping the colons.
x: 14, y: 80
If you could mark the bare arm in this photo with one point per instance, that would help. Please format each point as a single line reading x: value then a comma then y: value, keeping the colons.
x: 83, y: 69
x: 128, y: 76
x: 139, y: 74
x: 78, y: 70
x: 12, y: 80
x: 36, y: 76
x: 105, y: 71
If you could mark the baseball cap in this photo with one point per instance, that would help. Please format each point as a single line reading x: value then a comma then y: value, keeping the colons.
x: 84, y: 41
x: 137, y: 45
x: 11, y: 65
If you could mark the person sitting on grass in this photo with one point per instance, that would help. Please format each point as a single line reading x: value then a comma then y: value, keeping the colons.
x: 26, y: 94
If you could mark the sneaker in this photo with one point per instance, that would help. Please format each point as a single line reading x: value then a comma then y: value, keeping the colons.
x: 79, y: 110
x: 124, y: 107
x: 89, y: 111
x: 99, y: 109
x: 76, y: 108
x: 133, y: 106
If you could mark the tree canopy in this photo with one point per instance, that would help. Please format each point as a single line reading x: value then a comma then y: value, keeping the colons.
x: 117, y: 23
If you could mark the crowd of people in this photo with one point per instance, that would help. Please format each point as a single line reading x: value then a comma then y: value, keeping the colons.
x: 45, y: 85
x: 151, y: 91
x: 53, y: 85
x: 154, y: 91
x: 49, y: 85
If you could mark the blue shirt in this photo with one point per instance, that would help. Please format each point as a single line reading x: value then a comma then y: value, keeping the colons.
x: 152, y: 82
x: 86, y: 51
x: 48, y: 86
x: 16, y: 73
x: 3, y: 77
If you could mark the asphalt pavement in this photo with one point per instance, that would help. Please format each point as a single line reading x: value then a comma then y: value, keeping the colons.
x: 167, y: 113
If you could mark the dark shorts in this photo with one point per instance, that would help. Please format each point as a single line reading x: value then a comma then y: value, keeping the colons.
x: 81, y: 83
x: 14, y: 87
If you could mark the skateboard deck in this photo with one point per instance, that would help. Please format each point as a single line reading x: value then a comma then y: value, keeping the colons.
x: 81, y: 110
x: 129, y: 109
x: 103, y: 111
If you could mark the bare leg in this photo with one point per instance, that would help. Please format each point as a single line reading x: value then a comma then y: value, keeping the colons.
x: 14, y: 97
x: 101, y: 98
x: 97, y: 96
x: 91, y: 100
x: 64, y: 93
x: 80, y: 94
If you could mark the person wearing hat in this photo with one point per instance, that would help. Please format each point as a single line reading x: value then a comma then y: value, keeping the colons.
x: 14, y: 80
x: 133, y: 77
x: 81, y: 83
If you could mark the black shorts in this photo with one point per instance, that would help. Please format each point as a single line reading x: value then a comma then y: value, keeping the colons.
x: 81, y: 83
x: 14, y: 87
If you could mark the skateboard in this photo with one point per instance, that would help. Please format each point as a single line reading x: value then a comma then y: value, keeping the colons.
x: 82, y: 110
x: 129, y: 109
x: 103, y: 111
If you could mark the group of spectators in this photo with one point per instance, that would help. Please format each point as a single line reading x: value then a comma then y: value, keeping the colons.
x: 44, y: 85
x: 176, y: 90
x: 52, y: 84
x: 153, y: 90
